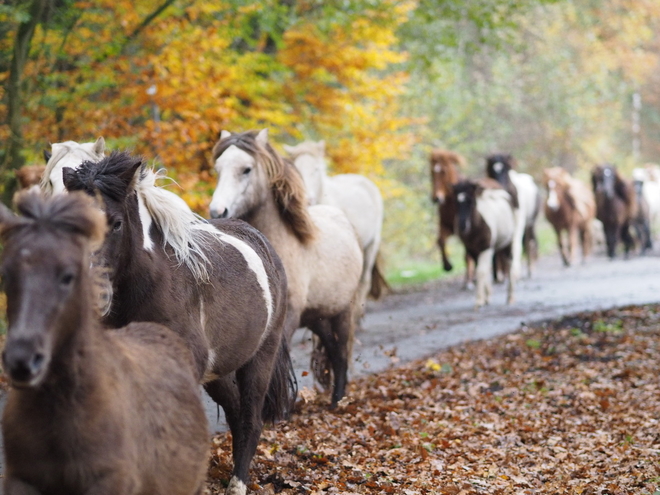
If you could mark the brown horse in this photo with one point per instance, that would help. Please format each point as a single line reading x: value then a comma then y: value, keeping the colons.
x: 616, y: 207
x: 90, y: 410
x: 29, y: 175
x: 445, y: 173
x: 219, y: 285
x: 570, y: 207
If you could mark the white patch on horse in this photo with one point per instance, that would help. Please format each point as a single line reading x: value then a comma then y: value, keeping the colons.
x: 256, y: 264
x: 145, y: 220
x: 236, y: 487
x: 460, y: 197
x: 209, y: 375
x: 498, y: 166
x: 437, y: 168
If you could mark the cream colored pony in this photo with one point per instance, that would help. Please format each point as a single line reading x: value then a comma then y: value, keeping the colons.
x: 317, y: 244
x: 357, y: 197
x: 68, y: 154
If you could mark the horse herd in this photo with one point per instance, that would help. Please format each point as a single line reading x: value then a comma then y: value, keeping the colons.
x: 494, y: 216
x: 120, y: 301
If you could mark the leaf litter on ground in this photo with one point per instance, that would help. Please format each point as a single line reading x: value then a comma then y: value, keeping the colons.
x: 570, y: 406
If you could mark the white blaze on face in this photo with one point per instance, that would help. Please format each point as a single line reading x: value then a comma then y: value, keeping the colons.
x: 553, y: 198
x: 498, y: 167
x: 461, y: 197
x: 233, y: 182
x: 437, y: 168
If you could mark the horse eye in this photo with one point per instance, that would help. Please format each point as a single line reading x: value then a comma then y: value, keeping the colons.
x: 116, y: 227
x: 247, y: 170
x: 66, y: 279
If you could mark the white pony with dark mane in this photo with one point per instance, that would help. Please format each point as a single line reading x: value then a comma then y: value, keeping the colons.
x: 68, y: 154
x: 357, y: 197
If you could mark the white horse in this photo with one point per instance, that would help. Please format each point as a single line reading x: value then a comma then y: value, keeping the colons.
x: 68, y: 154
x: 649, y: 175
x: 527, y: 201
x: 317, y: 244
x: 357, y: 197
x: 486, y: 221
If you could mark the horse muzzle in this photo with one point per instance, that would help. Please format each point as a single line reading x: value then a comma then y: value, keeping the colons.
x: 217, y: 213
x: 24, y: 362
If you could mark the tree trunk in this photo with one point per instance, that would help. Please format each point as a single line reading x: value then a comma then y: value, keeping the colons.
x: 13, y: 158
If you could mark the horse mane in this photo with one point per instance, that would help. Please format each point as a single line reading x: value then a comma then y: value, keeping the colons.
x: 185, y: 232
x: 286, y: 183
x: 445, y: 156
x: 71, y: 213
x: 60, y: 150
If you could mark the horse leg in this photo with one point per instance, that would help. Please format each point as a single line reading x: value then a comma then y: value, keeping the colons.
x: 611, y: 235
x: 442, y: 239
x: 626, y: 237
x: 517, y: 245
x: 484, y: 283
x: 370, y: 253
x: 587, y: 241
x: 253, y: 381
x: 562, y: 248
x: 336, y: 338
x: 505, y: 256
x: 468, y: 284
x: 572, y: 242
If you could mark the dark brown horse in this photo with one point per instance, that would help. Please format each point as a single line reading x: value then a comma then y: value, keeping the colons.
x: 90, y: 410
x: 445, y: 173
x: 219, y: 285
x: 616, y: 207
x: 570, y: 207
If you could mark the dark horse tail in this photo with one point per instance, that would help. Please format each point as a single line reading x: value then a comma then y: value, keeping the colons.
x: 379, y: 285
x: 283, y: 387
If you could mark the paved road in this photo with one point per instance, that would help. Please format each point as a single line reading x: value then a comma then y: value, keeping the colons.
x: 408, y: 326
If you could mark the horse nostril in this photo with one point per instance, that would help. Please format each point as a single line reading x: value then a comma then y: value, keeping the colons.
x: 37, y: 362
x: 224, y: 213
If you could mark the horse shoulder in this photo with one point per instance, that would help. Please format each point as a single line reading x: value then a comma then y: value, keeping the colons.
x: 495, y: 207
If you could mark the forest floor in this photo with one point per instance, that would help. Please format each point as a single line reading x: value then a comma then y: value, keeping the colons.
x: 566, y: 406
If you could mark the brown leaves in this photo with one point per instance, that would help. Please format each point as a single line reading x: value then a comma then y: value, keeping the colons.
x: 577, y: 412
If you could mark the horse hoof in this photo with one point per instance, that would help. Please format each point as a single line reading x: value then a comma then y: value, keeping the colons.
x: 448, y: 266
x: 468, y: 286
x: 236, y: 487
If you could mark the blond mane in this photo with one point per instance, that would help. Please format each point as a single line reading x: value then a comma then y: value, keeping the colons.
x: 285, y: 182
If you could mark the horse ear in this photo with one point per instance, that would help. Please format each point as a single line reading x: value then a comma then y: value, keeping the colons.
x: 69, y: 177
x: 224, y: 134
x: 99, y: 146
x: 128, y: 176
x: 47, y: 155
x: 262, y: 137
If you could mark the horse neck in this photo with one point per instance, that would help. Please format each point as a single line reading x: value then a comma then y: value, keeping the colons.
x: 266, y: 218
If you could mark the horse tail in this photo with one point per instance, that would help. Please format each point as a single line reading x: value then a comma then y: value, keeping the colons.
x: 283, y: 387
x: 379, y: 284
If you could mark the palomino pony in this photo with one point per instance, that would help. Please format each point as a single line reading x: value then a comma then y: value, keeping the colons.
x: 616, y: 207
x: 357, y: 197
x: 444, y: 175
x: 219, y: 285
x: 90, y: 410
x: 527, y: 200
x: 570, y: 207
x: 68, y: 154
x: 485, y: 217
x: 318, y: 246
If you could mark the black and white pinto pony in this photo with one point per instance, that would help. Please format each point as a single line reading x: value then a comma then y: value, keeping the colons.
x: 486, y: 220
x: 317, y: 244
x: 527, y: 201
x: 219, y: 285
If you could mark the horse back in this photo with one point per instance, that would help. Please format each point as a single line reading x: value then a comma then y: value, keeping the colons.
x: 496, y: 208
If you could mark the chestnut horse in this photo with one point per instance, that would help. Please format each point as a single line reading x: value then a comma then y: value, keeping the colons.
x: 90, y: 410
x: 219, y: 285
x: 485, y: 218
x: 616, y: 207
x: 445, y: 174
x: 317, y: 244
x: 570, y: 207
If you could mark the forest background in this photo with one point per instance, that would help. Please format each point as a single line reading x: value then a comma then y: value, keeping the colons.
x: 555, y: 82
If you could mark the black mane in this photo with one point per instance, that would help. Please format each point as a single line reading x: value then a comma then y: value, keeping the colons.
x: 111, y: 176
